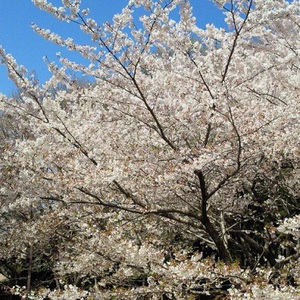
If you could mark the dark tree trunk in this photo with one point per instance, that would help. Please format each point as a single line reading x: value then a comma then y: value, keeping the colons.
x: 213, y: 233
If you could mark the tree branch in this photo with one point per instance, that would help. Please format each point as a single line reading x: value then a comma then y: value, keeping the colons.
x: 238, y: 32
x: 128, y: 194
x: 258, y: 248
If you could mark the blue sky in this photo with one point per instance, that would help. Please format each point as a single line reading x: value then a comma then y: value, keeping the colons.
x: 18, y: 38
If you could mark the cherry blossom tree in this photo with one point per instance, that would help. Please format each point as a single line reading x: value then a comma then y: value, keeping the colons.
x: 175, y: 173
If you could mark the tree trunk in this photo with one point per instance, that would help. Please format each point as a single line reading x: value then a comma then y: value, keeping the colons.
x: 28, y: 288
x: 213, y: 233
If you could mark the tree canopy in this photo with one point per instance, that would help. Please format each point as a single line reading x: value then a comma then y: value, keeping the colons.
x: 174, y: 174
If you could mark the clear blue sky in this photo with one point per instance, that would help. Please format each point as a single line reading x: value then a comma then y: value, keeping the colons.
x: 18, y: 38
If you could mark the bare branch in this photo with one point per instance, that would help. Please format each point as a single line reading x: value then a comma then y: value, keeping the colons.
x: 208, y: 131
x: 75, y: 142
x: 128, y: 194
x: 237, y: 35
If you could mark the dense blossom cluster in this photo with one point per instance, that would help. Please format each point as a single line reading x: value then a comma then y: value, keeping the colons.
x: 174, y: 174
